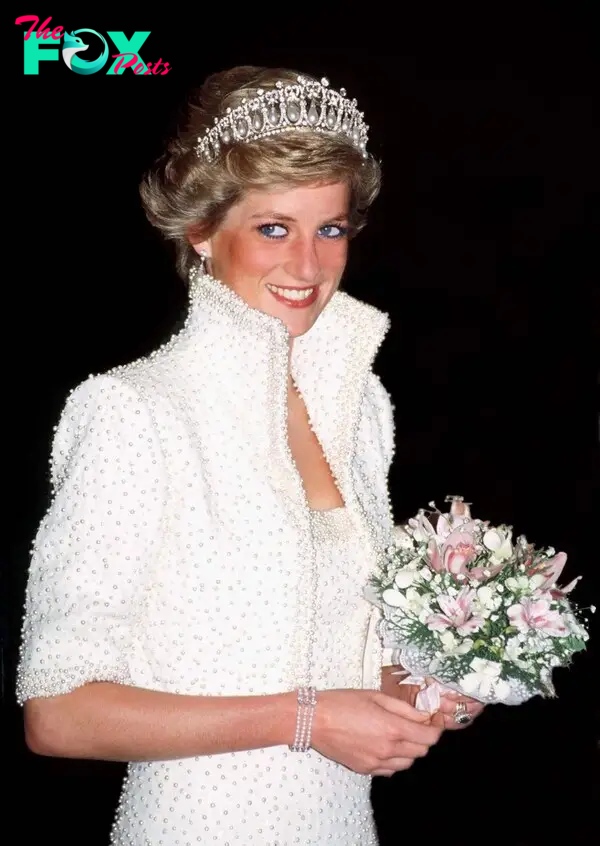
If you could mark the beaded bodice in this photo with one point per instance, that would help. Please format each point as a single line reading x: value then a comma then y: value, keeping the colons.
x: 341, y: 619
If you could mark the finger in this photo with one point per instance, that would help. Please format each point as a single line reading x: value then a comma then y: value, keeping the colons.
x: 397, y: 764
x: 437, y: 720
x: 419, y: 726
x: 459, y: 697
x: 408, y: 749
x: 402, y: 708
x: 452, y: 725
x: 450, y: 722
x: 421, y: 735
x: 449, y: 707
x: 473, y: 707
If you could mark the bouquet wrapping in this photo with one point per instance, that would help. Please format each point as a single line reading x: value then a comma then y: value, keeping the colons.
x: 465, y: 608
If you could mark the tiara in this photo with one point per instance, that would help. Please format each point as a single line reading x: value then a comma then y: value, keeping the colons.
x: 283, y: 109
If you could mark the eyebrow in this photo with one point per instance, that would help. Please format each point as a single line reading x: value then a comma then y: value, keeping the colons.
x: 273, y: 215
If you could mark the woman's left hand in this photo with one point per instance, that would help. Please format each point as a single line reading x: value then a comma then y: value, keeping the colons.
x: 448, y: 702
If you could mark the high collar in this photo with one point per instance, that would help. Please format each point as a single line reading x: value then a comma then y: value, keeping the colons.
x: 346, y: 336
x: 244, y: 353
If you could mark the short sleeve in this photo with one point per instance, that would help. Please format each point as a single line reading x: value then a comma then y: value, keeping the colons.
x: 95, y: 543
x: 385, y: 415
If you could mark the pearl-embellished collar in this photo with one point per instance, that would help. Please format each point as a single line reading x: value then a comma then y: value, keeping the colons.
x: 347, y: 328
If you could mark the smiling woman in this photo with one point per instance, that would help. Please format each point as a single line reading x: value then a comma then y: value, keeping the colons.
x: 187, y: 196
x: 195, y: 602
x: 284, y: 251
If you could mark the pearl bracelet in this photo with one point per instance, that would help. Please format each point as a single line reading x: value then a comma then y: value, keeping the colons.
x: 307, y: 700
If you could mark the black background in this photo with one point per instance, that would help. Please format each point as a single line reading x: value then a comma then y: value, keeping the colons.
x: 482, y: 249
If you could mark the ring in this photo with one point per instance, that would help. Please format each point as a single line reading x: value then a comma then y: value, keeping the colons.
x: 461, y: 715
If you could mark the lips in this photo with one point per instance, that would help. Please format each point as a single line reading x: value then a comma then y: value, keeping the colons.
x: 308, y: 301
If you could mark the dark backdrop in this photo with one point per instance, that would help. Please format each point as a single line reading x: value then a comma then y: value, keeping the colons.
x: 482, y: 249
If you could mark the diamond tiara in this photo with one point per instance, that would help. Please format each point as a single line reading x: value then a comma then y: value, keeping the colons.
x: 283, y: 109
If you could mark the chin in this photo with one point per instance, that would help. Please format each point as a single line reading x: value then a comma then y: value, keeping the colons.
x: 299, y: 320
x: 296, y: 324
x: 296, y: 331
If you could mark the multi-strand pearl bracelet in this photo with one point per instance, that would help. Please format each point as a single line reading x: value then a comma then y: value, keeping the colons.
x: 307, y: 700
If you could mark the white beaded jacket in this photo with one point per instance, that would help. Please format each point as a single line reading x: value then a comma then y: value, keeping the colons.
x: 177, y: 552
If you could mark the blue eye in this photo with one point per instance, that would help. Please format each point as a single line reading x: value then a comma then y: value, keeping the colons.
x: 277, y: 231
x: 268, y: 230
x: 332, y: 230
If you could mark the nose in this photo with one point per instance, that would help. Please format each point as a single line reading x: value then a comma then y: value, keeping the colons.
x: 303, y: 262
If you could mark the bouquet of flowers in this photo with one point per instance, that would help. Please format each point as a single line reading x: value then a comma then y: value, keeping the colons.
x: 466, y: 609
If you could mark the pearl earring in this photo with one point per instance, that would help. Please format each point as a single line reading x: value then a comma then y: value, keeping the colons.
x: 203, y: 260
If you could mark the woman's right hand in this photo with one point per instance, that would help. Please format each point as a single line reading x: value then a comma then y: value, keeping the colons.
x: 370, y: 732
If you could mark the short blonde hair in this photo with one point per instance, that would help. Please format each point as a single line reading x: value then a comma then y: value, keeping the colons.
x: 186, y: 198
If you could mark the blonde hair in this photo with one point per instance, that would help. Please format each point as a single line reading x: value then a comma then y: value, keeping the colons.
x: 186, y: 197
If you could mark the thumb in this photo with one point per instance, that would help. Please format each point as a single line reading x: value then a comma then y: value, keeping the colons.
x: 403, y: 709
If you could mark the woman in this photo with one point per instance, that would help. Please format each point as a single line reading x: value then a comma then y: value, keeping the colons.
x: 195, y: 598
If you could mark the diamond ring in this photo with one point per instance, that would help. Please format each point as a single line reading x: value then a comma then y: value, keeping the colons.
x: 461, y: 715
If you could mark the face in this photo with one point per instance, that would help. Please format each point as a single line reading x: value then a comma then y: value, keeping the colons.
x: 284, y: 251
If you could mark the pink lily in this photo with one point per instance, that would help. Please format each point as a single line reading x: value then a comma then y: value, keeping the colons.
x: 448, y: 523
x: 457, y: 551
x: 551, y: 569
x: 536, y: 614
x: 456, y: 613
x: 560, y: 593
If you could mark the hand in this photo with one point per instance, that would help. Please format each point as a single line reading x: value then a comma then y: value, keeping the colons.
x: 448, y: 705
x: 408, y: 693
x: 390, y: 684
x: 370, y: 732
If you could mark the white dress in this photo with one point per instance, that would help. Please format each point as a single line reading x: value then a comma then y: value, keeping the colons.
x: 179, y: 554
x: 272, y: 797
